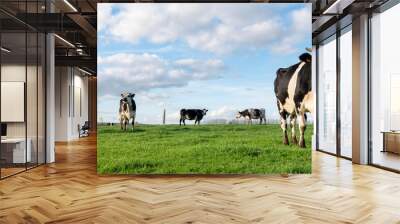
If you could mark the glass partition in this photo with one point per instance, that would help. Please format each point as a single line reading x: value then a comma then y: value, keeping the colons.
x: 327, y: 95
x: 346, y: 92
x: 385, y: 88
x: 13, y: 94
x: 22, y: 101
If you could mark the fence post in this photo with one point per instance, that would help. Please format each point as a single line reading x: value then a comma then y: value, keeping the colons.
x: 164, y: 116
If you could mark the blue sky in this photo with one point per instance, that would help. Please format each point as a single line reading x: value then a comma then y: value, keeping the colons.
x: 222, y: 57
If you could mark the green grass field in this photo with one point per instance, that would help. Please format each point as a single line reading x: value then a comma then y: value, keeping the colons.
x: 205, y: 149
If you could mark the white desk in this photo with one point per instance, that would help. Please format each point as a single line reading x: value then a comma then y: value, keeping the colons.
x: 18, y: 149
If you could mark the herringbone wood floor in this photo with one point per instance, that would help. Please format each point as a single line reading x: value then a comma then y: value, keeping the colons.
x: 70, y: 191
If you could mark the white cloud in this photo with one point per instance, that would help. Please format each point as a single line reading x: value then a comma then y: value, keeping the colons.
x: 154, y: 21
x: 104, y: 14
x: 300, y: 28
x: 172, y: 118
x: 224, y: 112
x: 301, y: 19
x: 149, y: 96
x: 142, y: 72
x: 201, y: 69
x: 216, y: 28
x: 226, y: 38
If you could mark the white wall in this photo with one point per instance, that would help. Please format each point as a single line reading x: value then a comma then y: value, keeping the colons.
x: 80, y: 109
x: 33, y: 126
x: 327, y: 96
x: 70, y: 84
x: 16, y: 73
x: 62, y: 82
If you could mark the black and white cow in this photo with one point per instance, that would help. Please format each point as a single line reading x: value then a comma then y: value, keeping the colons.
x: 294, y: 96
x: 192, y: 114
x: 251, y: 114
x: 127, y: 110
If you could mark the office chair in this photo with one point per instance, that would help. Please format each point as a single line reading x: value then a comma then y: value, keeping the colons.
x: 84, y: 130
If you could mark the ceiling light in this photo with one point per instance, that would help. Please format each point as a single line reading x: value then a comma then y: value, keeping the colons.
x: 5, y: 50
x: 70, y: 5
x: 84, y: 71
x: 64, y: 40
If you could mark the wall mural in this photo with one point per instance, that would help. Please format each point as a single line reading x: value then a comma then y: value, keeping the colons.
x: 204, y: 88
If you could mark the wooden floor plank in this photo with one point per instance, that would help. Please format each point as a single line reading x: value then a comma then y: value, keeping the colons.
x: 70, y: 191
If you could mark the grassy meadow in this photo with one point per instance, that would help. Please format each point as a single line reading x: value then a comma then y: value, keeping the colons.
x: 204, y: 149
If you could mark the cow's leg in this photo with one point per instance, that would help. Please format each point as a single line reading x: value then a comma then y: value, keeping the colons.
x: 283, y: 127
x: 184, y: 124
x: 121, y: 122
x: 302, y: 128
x: 133, y: 122
x: 261, y: 120
x: 293, y: 128
x: 180, y: 121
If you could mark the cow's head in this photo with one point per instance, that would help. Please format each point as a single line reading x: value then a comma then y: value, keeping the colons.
x: 239, y: 115
x: 127, y: 97
x: 305, y: 57
x: 204, y: 111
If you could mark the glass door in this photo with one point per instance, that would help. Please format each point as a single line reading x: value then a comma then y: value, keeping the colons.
x: 22, y: 100
x: 346, y: 92
x: 327, y: 95
x: 385, y: 89
x: 14, y: 155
